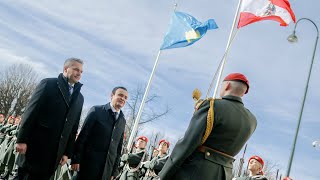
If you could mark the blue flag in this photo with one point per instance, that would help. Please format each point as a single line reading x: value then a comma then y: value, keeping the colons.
x: 185, y: 30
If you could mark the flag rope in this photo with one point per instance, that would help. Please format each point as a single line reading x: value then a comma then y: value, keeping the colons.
x: 220, y: 64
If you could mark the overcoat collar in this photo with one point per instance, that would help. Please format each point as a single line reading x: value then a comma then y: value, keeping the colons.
x: 107, y: 107
x: 64, y: 88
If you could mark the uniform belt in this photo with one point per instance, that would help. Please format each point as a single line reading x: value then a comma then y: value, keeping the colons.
x: 203, y: 149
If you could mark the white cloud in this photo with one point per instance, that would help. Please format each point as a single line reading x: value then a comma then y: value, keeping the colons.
x: 7, y: 58
x: 119, y: 41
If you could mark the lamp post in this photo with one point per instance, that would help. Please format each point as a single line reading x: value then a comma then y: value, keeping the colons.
x: 293, y: 38
x: 316, y: 144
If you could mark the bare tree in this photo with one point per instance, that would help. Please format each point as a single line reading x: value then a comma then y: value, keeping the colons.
x: 148, y: 115
x: 270, y: 169
x: 17, y: 83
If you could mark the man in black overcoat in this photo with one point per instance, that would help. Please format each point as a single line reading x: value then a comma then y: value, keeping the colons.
x: 49, y: 125
x: 98, y: 146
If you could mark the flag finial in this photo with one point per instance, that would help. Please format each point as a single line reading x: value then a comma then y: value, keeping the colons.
x: 175, y: 5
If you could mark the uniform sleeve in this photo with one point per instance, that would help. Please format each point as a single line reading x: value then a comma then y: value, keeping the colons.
x: 29, y: 116
x: 116, y: 164
x: 83, y: 136
x: 158, y: 164
x: 135, y: 158
x: 188, y: 144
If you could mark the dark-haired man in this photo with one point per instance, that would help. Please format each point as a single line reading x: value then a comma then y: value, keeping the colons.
x: 98, y: 146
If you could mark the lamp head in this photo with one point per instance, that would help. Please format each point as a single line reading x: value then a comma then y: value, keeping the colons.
x: 292, y: 38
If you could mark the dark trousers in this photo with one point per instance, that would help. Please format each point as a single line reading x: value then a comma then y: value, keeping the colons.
x: 23, y: 174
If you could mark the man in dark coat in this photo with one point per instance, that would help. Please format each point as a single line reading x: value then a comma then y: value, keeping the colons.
x: 49, y: 124
x: 98, y: 146
x: 205, y: 153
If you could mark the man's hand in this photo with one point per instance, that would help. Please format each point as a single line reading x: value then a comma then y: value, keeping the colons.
x: 75, y: 167
x: 63, y: 160
x: 112, y: 177
x: 21, y: 148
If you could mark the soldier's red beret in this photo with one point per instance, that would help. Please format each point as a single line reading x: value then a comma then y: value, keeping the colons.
x: 163, y: 140
x: 286, y: 178
x: 259, y: 159
x: 238, y: 77
x: 143, y: 138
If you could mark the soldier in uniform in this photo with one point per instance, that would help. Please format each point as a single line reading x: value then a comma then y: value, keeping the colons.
x: 130, y: 162
x: 9, y: 154
x: 1, y: 120
x: 2, y: 124
x: 153, y: 167
x: 4, y: 139
x: 11, y: 120
x: 217, y: 131
x: 255, y: 166
x: 155, y: 153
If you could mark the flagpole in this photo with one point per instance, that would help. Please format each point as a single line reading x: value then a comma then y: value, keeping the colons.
x: 215, y: 74
x: 231, y: 37
x: 137, y: 120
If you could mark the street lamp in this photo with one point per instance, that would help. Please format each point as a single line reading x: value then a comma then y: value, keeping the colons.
x: 293, y: 38
x: 316, y: 144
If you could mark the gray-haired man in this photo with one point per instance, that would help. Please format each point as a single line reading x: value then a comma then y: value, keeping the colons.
x: 50, y: 122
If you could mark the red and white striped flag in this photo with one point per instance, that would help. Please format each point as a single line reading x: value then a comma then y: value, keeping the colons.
x: 257, y: 10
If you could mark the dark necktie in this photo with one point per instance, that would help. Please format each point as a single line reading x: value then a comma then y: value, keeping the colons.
x: 70, y: 89
x: 115, y: 114
x: 70, y: 92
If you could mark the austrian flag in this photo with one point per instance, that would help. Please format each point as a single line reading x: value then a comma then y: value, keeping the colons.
x: 258, y: 10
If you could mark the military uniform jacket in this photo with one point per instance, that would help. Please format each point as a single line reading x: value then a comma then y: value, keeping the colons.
x: 131, y: 172
x: 233, y: 125
x: 156, y: 163
x: 49, y: 125
x: 133, y: 159
x: 99, y: 144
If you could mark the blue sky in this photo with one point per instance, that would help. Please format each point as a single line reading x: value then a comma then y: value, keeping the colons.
x: 119, y: 41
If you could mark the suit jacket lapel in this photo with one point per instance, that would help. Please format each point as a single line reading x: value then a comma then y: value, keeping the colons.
x: 120, y: 119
